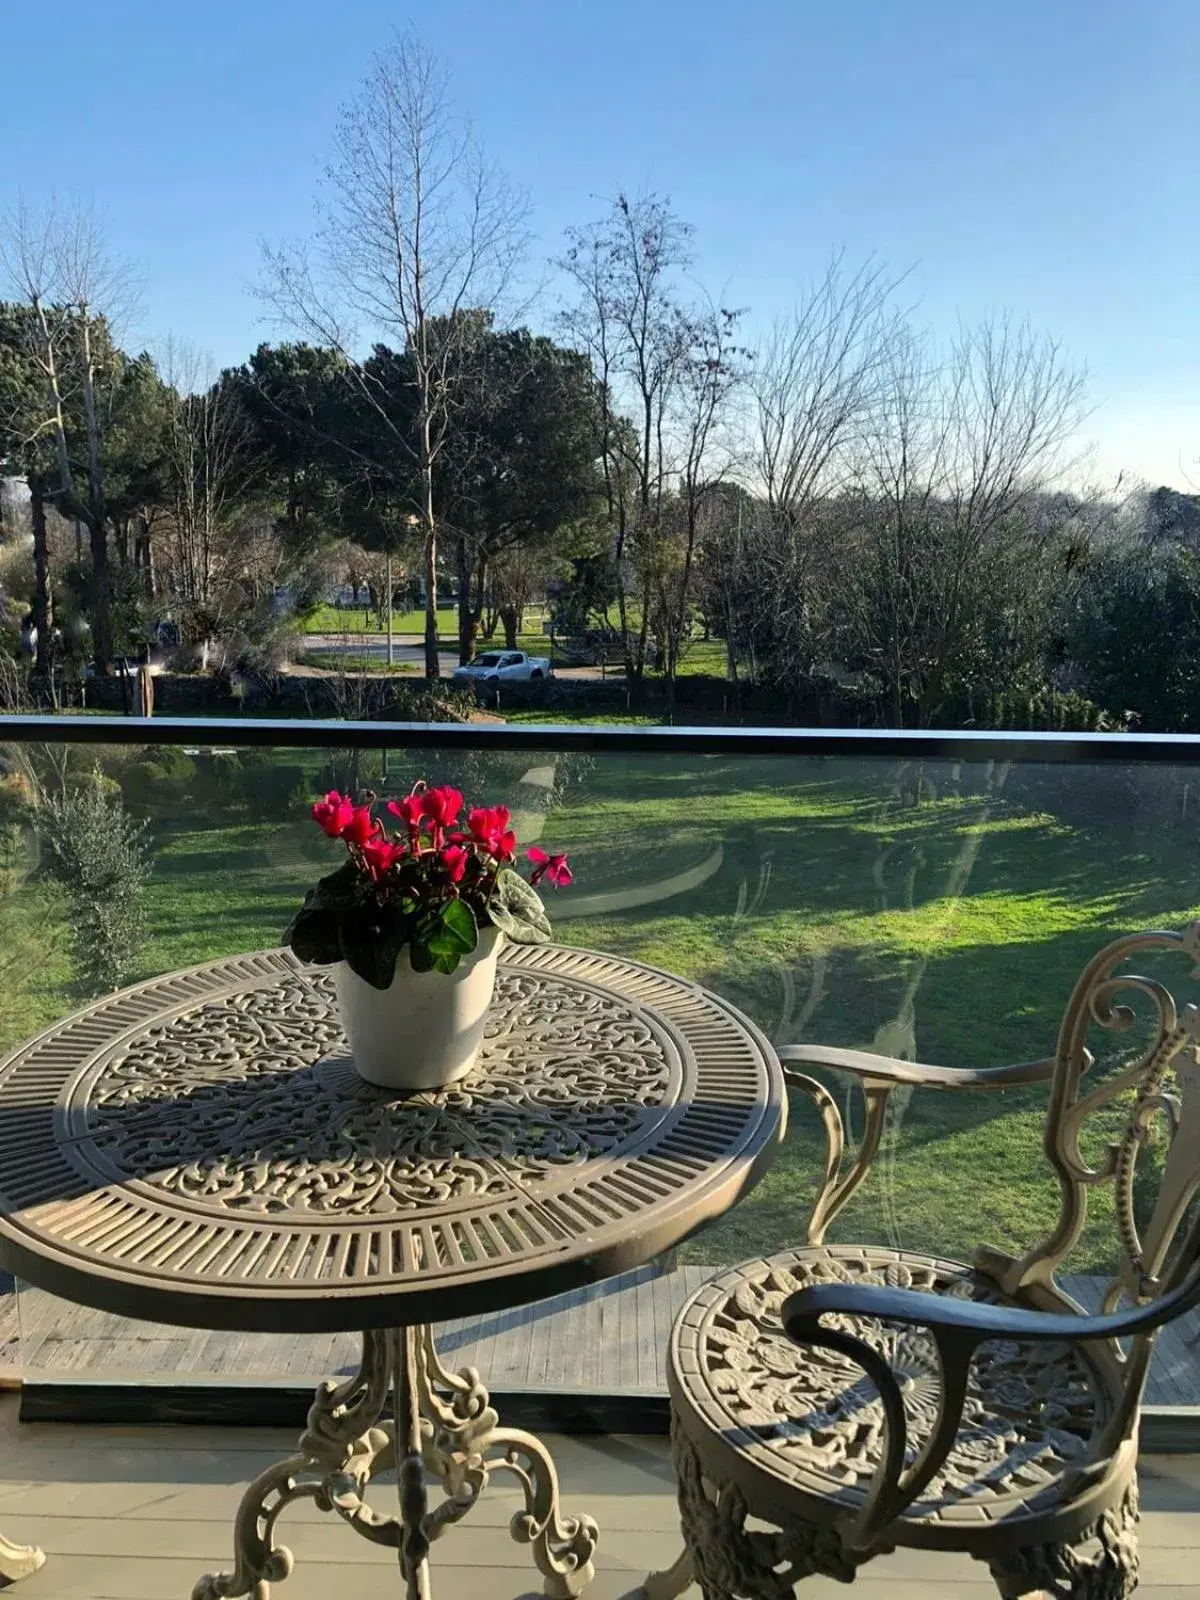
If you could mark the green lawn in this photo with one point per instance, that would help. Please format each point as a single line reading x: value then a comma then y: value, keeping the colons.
x: 700, y: 656
x: 354, y: 662
x: 357, y: 619
x: 841, y: 913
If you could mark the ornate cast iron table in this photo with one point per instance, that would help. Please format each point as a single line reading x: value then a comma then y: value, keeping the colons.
x: 200, y: 1150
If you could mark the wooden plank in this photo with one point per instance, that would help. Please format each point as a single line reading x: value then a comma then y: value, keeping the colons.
x: 563, y: 1317
x: 507, y: 1359
x: 539, y: 1349
x: 661, y: 1289
x: 611, y: 1336
x: 624, y: 1324
x: 140, y: 1513
x: 1175, y: 1370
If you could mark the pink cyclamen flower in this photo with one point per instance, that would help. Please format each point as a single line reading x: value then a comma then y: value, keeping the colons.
x: 554, y: 868
x: 361, y: 826
x: 454, y: 859
x: 408, y: 809
x: 332, y: 814
x: 441, y: 806
x: 489, y: 827
x: 381, y: 855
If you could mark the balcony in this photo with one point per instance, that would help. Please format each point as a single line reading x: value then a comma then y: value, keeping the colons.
x: 128, y: 1513
x: 928, y: 897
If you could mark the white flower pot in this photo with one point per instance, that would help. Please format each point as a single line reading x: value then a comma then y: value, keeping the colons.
x: 425, y: 1029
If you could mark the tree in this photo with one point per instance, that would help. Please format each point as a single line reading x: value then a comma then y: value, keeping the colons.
x: 416, y: 229
x: 297, y: 398
x: 713, y: 369
x: 57, y: 265
x: 817, y: 386
x: 520, y: 467
x: 939, y: 536
x: 137, y: 493
x: 1135, y: 634
x: 98, y: 853
x: 25, y: 444
x: 212, y: 470
x: 629, y: 318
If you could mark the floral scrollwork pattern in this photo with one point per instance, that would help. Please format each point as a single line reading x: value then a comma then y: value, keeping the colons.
x: 728, y: 1558
x: 1029, y: 1414
x: 1100, y: 1565
x: 455, y: 1440
x: 569, y: 1073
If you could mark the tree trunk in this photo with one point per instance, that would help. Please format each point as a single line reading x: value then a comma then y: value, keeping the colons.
x: 100, y: 610
x: 466, y: 611
x: 96, y: 519
x: 390, y: 587
x: 432, y: 664
x: 478, y: 596
x: 143, y: 555
x: 510, y: 616
x: 43, y: 600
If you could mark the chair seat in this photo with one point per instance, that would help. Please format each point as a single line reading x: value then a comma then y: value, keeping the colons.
x: 782, y: 1422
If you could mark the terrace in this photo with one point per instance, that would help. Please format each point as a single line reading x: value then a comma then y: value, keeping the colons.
x: 927, y: 897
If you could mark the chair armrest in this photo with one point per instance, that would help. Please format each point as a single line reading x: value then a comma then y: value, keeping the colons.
x: 802, y: 1313
x: 866, y: 1065
x: 958, y: 1328
x: 877, y: 1077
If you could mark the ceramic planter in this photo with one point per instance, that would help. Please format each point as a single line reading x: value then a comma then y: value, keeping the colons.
x: 425, y: 1029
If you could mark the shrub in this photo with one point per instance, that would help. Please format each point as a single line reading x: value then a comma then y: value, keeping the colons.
x: 1135, y: 636
x: 96, y: 852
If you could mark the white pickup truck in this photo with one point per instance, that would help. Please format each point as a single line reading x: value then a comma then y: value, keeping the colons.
x: 504, y: 666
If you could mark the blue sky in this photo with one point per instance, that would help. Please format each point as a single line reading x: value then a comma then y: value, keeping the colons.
x: 1040, y: 155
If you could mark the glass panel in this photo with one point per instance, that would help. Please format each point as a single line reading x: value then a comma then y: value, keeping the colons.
x: 935, y: 911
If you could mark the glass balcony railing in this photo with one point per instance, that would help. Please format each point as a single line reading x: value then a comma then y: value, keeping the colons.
x: 931, y: 898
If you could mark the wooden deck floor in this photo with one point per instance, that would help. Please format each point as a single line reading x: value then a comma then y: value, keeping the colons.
x: 611, y: 1338
x: 139, y: 1514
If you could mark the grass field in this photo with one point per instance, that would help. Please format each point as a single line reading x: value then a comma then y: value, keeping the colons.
x: 701, y: 655
x: 949, y: 930
x: 357, y: 619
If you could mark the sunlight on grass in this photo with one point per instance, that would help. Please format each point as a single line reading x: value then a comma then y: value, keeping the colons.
x: 839, y: 912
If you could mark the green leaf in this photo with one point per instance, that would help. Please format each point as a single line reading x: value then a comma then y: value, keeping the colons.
x: 370, y: 951
x: 444, y: 937
x: 517, y: 910
x: 345, y: 887
x: 420, y: 956
x: 459, y: 920
x: 313, y: 935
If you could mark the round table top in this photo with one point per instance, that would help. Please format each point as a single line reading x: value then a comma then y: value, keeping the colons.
x: 200, y: 1150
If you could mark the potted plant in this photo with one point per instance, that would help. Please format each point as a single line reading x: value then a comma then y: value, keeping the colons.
x: 413, y: 921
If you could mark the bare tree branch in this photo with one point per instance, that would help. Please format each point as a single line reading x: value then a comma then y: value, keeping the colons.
x: 416, y: 231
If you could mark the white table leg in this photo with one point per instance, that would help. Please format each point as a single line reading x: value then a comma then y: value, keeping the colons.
x: 18, y: 1560
x: 448, y: 1431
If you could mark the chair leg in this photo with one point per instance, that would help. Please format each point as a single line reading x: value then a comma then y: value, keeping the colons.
x: 670, y: 1583
x: 1101, y: 1565
x: 733, y: 1562
x: 18, y: 1560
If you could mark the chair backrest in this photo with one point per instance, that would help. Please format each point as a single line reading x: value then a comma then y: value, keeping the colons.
x: 1162, y: 1089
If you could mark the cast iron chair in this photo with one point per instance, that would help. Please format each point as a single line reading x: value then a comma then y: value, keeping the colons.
x: 859, y: 1399
x: 18, y: 1560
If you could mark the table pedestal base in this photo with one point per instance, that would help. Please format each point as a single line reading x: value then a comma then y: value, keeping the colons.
x: 445, y: 1428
